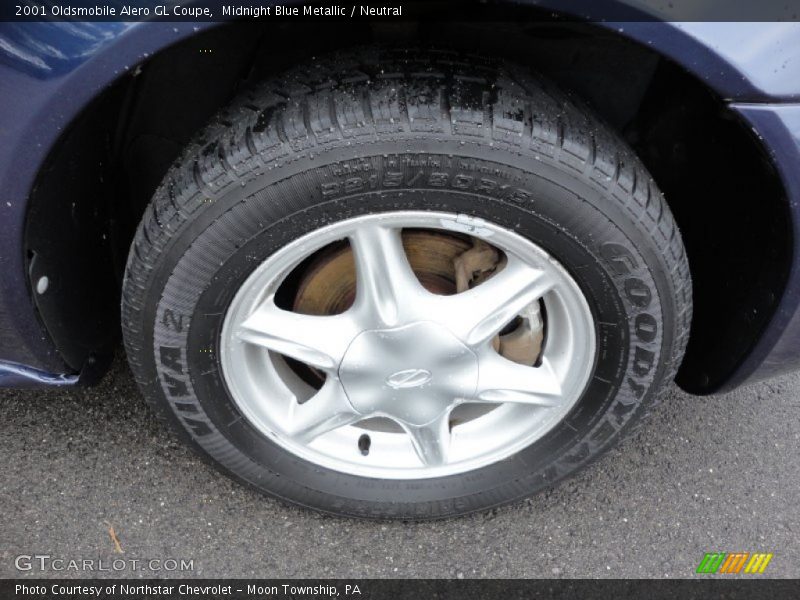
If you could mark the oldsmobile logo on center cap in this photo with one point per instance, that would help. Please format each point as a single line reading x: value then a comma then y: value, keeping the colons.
x: 409, y: 378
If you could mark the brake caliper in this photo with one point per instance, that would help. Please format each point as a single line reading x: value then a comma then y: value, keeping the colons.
x: 521, y: 341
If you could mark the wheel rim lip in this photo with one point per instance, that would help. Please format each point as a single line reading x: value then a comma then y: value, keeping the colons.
x: 566, y: 305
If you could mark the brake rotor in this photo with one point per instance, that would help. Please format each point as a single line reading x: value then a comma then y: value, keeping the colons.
x: 444, y: 263
x: 328, y: 286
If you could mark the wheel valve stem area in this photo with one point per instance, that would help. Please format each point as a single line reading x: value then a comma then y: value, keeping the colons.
x: 364, y: 443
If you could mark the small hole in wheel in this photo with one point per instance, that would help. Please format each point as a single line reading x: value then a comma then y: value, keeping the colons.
x: 364, y: 443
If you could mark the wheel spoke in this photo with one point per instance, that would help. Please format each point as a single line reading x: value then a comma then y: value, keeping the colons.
x: 385, y: 281
x: 501, y: 380
x: 327, y: 410
x: 481, y: 313
x: 431, y: 441
x: 316, y: 341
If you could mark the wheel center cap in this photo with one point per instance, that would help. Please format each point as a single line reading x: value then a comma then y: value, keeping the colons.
x: 412, y: 373
x: 408, y: 378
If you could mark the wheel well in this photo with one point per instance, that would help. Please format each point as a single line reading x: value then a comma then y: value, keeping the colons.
x: 717, y: 180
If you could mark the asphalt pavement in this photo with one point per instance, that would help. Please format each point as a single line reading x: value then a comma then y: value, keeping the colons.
x: 708, y: 474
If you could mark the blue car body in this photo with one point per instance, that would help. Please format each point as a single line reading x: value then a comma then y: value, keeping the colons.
x: 50, y: 72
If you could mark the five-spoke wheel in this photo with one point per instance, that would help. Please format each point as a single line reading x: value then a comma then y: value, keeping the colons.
x: 418, y: 372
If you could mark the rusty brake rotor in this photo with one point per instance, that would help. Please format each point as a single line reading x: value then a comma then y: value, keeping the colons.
x: 444, y: 263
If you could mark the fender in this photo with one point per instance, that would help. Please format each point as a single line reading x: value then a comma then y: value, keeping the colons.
x: 50, y: 72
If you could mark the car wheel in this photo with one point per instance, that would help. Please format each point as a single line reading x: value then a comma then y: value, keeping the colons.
x: 410, y: 284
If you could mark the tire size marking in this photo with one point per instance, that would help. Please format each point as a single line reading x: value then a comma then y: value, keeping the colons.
x: 361, y: 176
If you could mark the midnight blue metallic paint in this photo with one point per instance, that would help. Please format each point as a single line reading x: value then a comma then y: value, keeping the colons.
x: 741, y: 62
x: 778, y: 350
x: 41, y: 93
x: 50, y: 72
x: 12, y: 375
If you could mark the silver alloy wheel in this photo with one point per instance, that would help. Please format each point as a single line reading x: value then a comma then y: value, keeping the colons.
x: 407, y: 355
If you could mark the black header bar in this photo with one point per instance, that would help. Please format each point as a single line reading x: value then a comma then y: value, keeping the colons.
x: 400, y: 10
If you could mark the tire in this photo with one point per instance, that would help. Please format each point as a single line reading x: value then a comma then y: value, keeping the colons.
x: 375, y: 132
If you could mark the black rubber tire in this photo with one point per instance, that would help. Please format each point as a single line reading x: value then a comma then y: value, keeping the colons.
x: 375, y: 130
